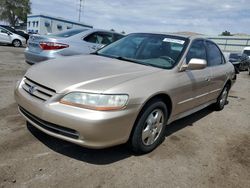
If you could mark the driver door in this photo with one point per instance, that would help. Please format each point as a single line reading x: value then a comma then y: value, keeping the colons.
x: 193, y: 84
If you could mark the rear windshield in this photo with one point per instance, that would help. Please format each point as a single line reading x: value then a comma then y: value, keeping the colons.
x: 68, y: 33
x: 247, y: 52
x: 235, y: 56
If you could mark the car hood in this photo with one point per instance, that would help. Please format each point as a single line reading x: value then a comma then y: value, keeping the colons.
x: 89, y: 73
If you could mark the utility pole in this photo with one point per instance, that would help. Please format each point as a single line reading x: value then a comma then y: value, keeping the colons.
x: 81, y: 6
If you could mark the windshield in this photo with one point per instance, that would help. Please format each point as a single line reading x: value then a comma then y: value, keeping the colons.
x: 157, y: 50
x: 247, y: 52
x: 67, y: 33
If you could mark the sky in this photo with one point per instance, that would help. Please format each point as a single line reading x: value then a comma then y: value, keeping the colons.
x: 201, y: 16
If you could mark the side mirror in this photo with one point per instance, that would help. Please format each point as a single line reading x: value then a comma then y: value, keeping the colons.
x: 100, y: 46
x: 195, y: 64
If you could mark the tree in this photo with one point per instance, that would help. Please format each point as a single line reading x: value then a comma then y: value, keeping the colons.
x: 14, y: 11
x: 225, y: 33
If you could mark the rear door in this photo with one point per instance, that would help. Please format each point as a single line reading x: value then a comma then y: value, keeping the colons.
x: 216, y: 64
x: 4, y: 36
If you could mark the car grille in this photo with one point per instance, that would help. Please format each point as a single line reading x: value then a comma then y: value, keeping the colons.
x: 50, y: 126
x: 37, y: 90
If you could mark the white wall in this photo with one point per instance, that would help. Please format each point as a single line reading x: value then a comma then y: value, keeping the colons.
x: 48, y: 25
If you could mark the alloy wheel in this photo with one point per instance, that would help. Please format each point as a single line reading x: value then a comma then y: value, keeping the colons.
x: 153, y: 127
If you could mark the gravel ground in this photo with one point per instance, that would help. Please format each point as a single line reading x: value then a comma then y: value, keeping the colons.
x: 206, y: 149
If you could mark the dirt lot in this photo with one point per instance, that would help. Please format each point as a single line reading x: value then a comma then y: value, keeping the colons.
x: 207, y: 149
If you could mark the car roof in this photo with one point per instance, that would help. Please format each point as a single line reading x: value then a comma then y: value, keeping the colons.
x: 247, y: 48
x: 188, y: 36
x: 103, y: 30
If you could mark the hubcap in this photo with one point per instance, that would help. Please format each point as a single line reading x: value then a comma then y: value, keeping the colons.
x: 16, y: 43
x: 223, y: 97
x: 153, y: 127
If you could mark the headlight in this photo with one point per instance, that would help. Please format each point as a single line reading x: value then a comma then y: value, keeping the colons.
x: 102, y: 102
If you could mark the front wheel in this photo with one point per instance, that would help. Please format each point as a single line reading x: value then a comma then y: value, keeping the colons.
x: 222, y: 99
x: 17, y: 43
x: 149, y: 128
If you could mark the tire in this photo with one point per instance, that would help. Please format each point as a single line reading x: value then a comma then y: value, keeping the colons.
x: 222, y: 99
x: 149, y: 130
x: 16, y: 43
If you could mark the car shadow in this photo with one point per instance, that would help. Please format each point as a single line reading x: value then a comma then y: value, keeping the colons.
x: 92, y: 156
x: 187, y: 121
x: 109, y: 155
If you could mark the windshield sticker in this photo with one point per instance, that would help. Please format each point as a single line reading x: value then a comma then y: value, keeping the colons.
x: 173, y: 40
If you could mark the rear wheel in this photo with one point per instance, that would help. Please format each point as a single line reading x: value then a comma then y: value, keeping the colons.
x: 149, y: 128
x: 222, y: 99
x: 16, y: 43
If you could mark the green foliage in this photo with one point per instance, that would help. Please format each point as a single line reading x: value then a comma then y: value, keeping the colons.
x: 226, y: 33
x: 13, y: 11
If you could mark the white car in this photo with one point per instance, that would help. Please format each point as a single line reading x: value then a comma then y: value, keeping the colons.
x: 67, y: 43
x: 8, y: 37
x: 246, y: 51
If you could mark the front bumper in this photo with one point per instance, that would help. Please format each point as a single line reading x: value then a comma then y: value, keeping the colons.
x: 89, y: 128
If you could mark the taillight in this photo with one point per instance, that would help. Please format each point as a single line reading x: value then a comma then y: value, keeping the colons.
x: 52, y: 45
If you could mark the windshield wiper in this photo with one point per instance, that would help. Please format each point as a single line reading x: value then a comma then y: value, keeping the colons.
x: 140, y: 62
x: 130, y: 60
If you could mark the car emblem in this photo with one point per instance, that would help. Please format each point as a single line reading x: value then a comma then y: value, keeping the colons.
x: 32, y: 89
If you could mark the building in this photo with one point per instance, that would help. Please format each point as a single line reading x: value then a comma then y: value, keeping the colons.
x: 43, y: 24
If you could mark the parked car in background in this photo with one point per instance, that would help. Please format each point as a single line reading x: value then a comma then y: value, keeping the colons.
x: 19, y: 32
x: 8, y: 37
x: 127, y: 91
x: 248, y: 68
x: 67, y: 43
x: 246, y: 51
x: 240, y: 61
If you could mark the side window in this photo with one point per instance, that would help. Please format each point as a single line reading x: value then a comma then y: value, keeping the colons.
x: 197, y: 50
x: 99, y: 38
x: 104, y: 38
x: 3, y: 31
x: 214, y: 56
x: 91, y: 38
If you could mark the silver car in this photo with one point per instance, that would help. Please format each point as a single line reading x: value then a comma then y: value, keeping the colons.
x: 8, y: 37
x: 67, y: 43
x: 129, y: 91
